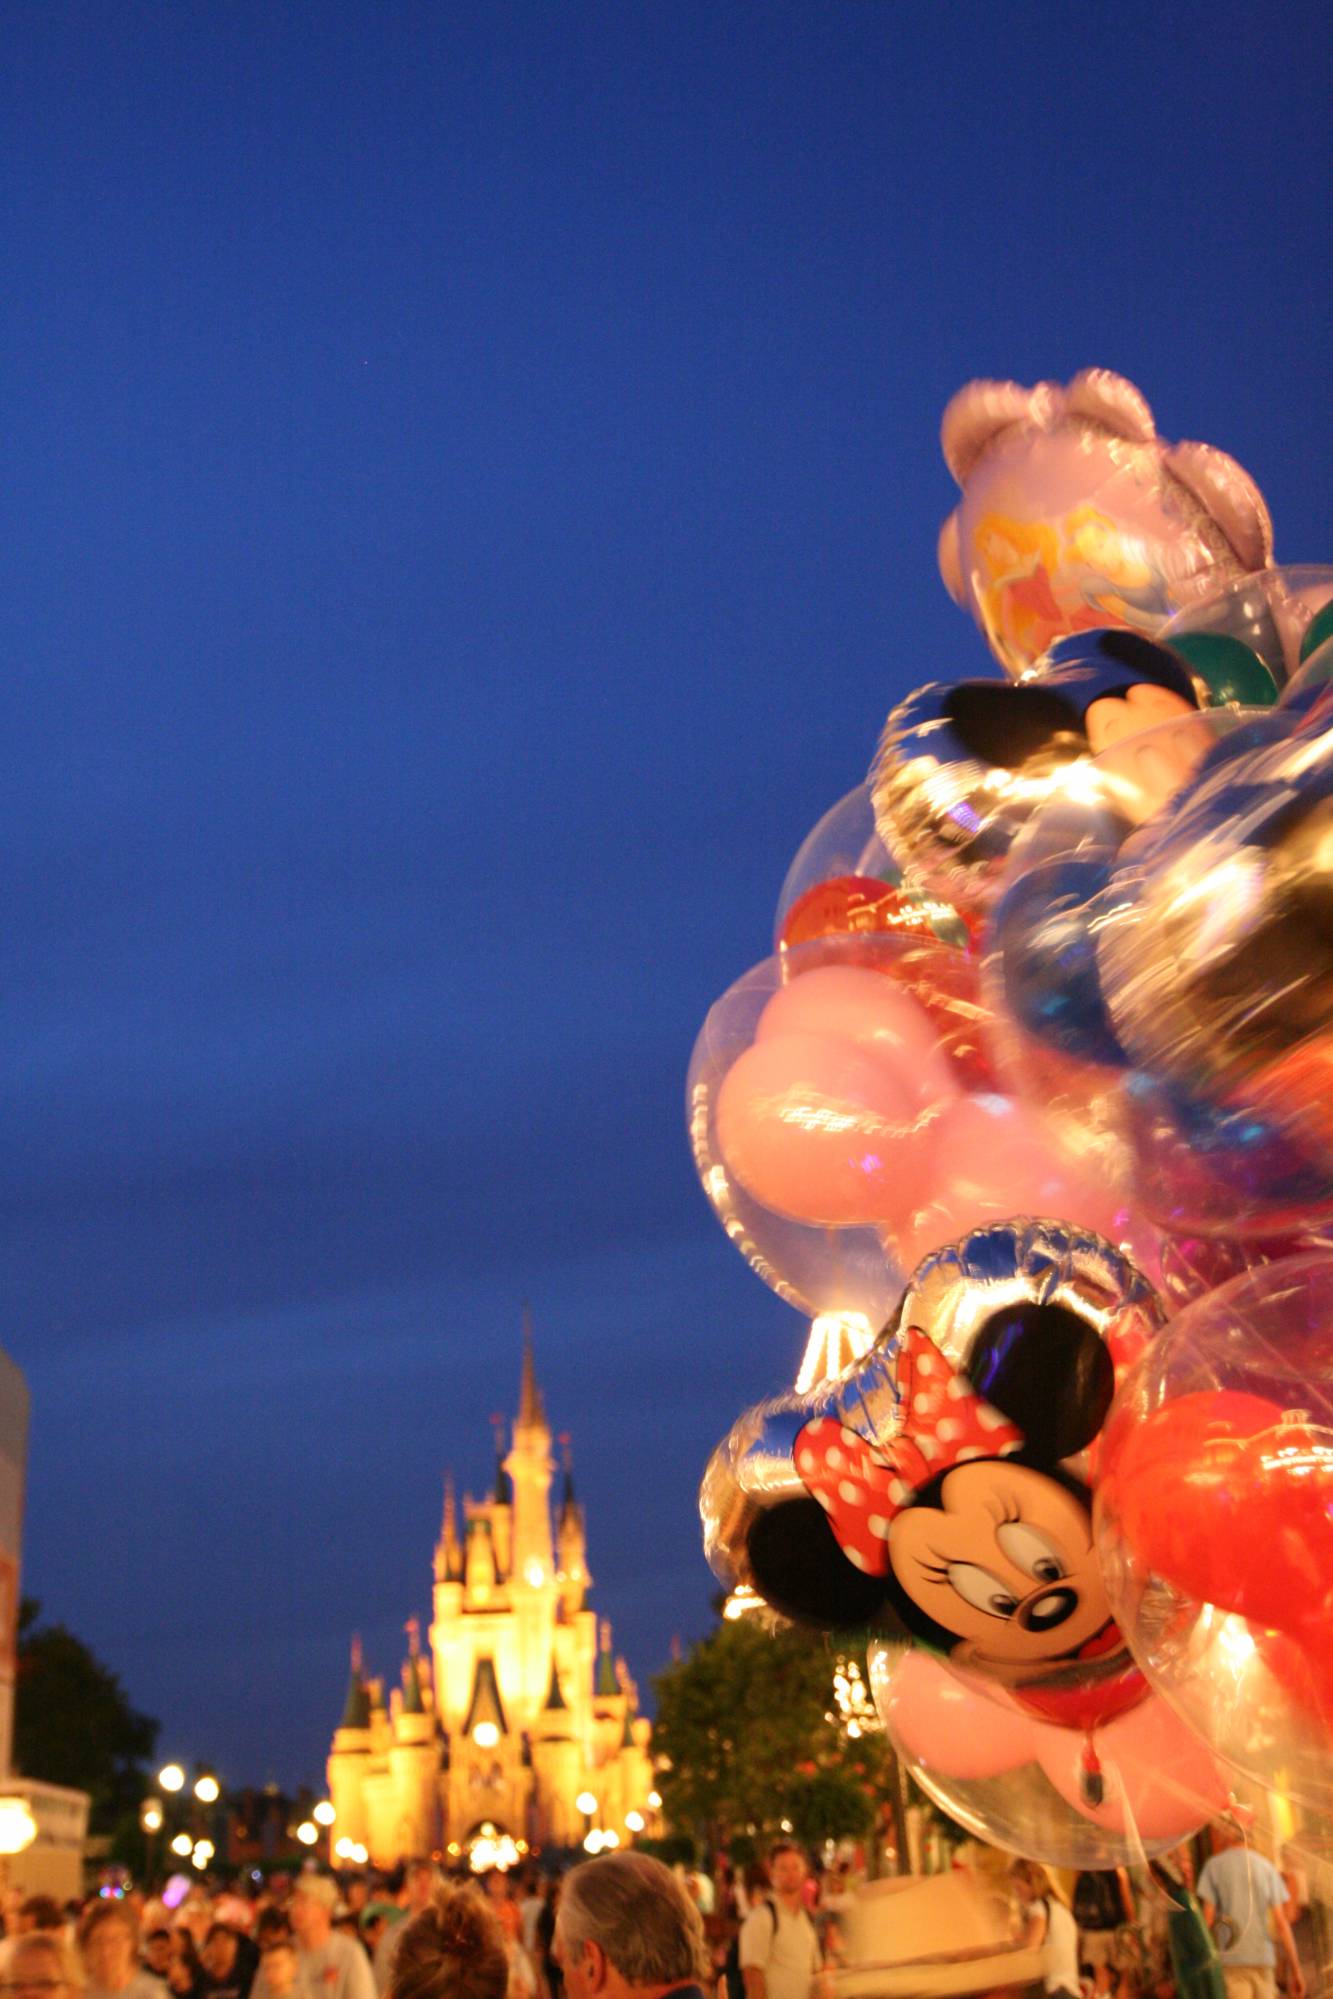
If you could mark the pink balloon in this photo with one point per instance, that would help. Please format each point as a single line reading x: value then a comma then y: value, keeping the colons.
x: 1161, y: 1780
x: 989, y: 1158
x: 850, y: 1003
x: 818, y: 1130
x: 949, y: 1726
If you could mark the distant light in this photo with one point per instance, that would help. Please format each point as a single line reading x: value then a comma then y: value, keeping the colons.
x: 586, y: 1803
x: 177, y: 1888
x: 150, y: 1815
x: 654, y: 1801
x: 171, y: 1777
x: 207, y: 1789
x: 18, y: 1827
x: 635, y: 1821
x: 324, y: 1813
x: 307, y: 1832
x: 784, y: 1825
x: 534, y: 1572
x: 182, y: 1844
x: 345, y: 1848
x: 360, y: 1855
x: 592, y: 1842
x: 610, y: 1839
x: 203, y: 1852
x: 486, y: 1734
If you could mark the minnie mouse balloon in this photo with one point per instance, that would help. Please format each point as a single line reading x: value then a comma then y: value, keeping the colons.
x: 1215, y: 1521
x: 941, y: 1487
x: 1076, y: 514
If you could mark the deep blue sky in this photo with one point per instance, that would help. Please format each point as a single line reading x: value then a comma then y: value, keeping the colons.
x: 470, y: 494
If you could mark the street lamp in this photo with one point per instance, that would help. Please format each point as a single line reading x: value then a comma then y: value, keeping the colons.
x: 183, y: 1845
x: 307, y: 1832
x: 171, y: 1777
x: 18, y: 1827
x: 207, y: 1788
x: 323, y: 1814
x: 634, y: 1821
x: 150, y: 1815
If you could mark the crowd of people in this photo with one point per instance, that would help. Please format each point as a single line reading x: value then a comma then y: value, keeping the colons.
x: 770, y: 1931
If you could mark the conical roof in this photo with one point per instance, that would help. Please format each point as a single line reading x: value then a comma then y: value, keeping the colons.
x: 356, y: 1708
x: 485, y: 1704
x: 555, y: 1700
x: 531, y: 1411
x: 605, y: 1684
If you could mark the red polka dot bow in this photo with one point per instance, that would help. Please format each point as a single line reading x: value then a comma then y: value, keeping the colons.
x: 945, y: 1423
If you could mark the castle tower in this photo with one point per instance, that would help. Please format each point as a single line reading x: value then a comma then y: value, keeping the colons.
x: 571, y: 1549
x: 556, y: 1768
x: 414, y: 1758
x: 532, y: 1573
x: 349, y: 1757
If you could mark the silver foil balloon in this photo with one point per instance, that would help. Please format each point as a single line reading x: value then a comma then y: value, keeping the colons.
x: 1034, y: 1319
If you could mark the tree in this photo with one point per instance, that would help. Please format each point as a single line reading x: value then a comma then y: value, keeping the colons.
x: 744, y: 1724
x: 73, y: 1723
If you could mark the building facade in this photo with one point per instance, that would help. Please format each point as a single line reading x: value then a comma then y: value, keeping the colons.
x: 516, y: 1716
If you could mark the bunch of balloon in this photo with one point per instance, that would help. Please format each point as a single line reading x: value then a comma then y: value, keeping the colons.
x: 1043, y: 1050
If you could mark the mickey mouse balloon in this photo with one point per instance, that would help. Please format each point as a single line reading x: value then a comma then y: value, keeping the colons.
x: 942, y: 1487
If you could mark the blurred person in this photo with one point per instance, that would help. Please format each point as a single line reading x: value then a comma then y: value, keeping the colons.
x: 331, y: 1966
x: 420, y: 1881
x: 1244, y: 1901
x: 109, y: 1943
x: 1195, y: 1969
x: 278, y: 1976
x: 495, y: 1883
x: 530, y: 1905
x: 1048, y: 1926
x: 38, y: 1968
x: 454, y: 1948
x: 627, y: 1929
x: 186, y: 1977
x: 230, y: 1962
x: 157, y: 1953
x: 778, y: 1950
x: 551, y: 1978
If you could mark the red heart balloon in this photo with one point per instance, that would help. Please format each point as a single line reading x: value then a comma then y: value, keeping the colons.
x: 1229, y: 1497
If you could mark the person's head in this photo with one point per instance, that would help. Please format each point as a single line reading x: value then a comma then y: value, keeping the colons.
x: 1028, y: 1879
x: 38, y: 1912
x: 357, y: 1893
x: 109, y: 1940
x: 625, y: 1924
x: 270, y: 1924
x: 277, y: 1962
x: 419, y: 1884
x: 218, y: 1955
x: 314, y: 1899
x: 497, y: 1884
x: 452, y: 1949
x: 157, y: 1951
x: 786, y: 1868
x: 372, y: 1922
x: 195, y: 1914
x: 183, y: 1967
x: 37, y: 1968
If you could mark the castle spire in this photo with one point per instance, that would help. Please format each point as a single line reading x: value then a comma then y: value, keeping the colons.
x: 356, y: 1708
x: 568, y: 1503
x: 531, y: 1413
x: 412, y: 1700
x: 607, y: 1682
x: 504, y: 1490
x: 449, y: 1562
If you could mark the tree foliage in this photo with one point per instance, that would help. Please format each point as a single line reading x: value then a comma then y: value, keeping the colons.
x: 743, y: 1723
x: 73, y: 1723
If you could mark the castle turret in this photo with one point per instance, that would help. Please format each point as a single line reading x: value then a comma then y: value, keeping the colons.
x: 502, y: 1505
x: 556, y: 1767
x: 414, y: 1758
x: 349, y: 1756
x: 571, y: 1547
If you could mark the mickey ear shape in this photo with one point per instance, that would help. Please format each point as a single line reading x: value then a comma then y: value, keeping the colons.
x: 1225, y: 490
x: 1004, y: 725
x: 1103, y: 397
x: 979, y: 412
x: 798, y: 1568
x: 1049, y: 1371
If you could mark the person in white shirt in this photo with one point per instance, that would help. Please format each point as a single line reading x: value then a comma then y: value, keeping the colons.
x: 1050, y: 1927
x: 779, y: 1951
x: 109, y: 1941
x: 331, y: 1966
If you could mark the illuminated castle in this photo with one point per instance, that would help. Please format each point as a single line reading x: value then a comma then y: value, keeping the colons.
x: 519, y: 1718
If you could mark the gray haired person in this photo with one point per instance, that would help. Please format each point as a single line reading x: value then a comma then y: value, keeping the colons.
x: 626, y: 1927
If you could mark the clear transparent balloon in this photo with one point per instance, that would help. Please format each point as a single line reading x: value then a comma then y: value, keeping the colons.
x: 1020, y: 1785
x: 1215, y: 1522
x: 845, y: 880
x: 1265, y: 614
x: 1128, y: 1000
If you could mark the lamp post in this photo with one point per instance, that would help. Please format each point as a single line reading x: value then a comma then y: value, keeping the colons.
x: 587, y: 1804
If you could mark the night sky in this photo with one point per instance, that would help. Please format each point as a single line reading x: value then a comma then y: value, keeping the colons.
x: 470, y: 496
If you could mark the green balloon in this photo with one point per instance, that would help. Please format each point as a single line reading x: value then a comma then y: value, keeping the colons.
x: 1319, y: 628
x: 1232, y: 671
